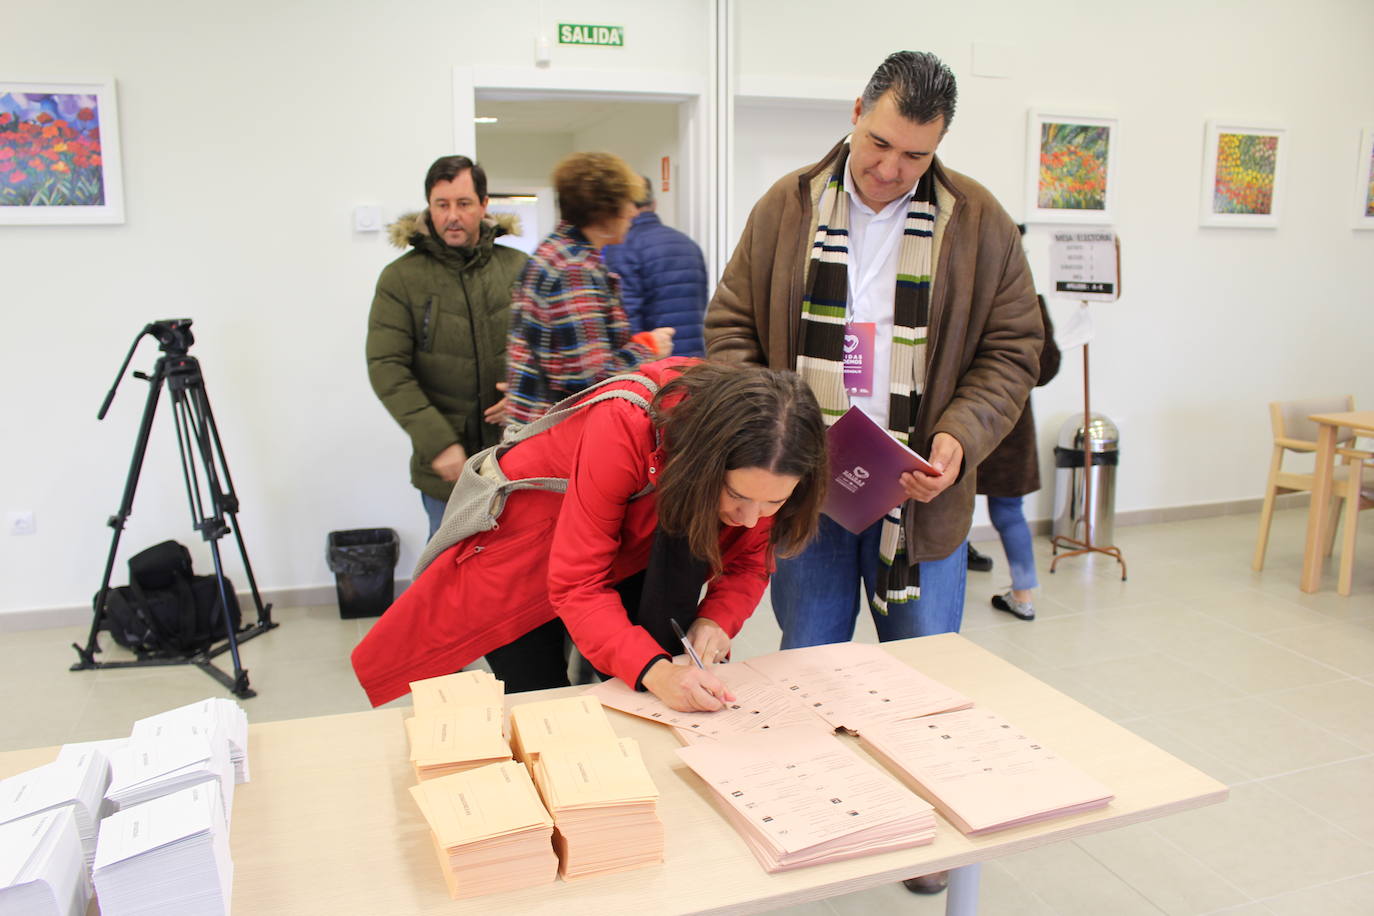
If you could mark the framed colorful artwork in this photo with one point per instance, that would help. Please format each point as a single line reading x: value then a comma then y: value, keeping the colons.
x: 1364, y: 181
x: 59, y: 152
x: 1071, y: 168
x: 1242, y: 174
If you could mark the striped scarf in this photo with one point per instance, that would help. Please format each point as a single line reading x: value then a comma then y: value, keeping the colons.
x: 820, y: 360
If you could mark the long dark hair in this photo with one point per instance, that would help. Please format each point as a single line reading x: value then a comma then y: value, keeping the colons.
x: 717, y: 418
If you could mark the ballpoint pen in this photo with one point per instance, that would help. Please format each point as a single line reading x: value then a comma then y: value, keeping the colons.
x: 691, y: 653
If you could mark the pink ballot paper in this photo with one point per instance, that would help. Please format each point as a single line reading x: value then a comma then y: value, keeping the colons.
x: 866, y: 465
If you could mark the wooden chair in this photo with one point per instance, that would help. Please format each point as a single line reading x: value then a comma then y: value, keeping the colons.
x: 1293, y: 432
x: 1359, y: 494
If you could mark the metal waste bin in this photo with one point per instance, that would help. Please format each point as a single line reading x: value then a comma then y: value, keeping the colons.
x: 1104, y: 443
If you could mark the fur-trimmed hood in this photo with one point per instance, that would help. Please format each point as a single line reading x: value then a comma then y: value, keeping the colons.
x: 402, y: 233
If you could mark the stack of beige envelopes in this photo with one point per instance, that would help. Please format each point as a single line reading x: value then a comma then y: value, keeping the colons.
x: 534, y: 726
x: 459, y: 724
x: 490, y: 830
x: 460, y: 739
x: 604, y: 805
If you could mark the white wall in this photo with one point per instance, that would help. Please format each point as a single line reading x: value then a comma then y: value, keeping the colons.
x: 1212, y: 323
x: 250, y: 132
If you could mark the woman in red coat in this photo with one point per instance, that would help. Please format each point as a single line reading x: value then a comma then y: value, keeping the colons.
x: 726, y: 469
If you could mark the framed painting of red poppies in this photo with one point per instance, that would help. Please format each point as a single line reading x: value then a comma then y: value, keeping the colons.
x: 59, y: 152
x: 1071, y: 168
x: 1242, y: 173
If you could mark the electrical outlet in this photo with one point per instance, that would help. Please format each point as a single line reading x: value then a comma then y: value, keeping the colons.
x: 21, y: 522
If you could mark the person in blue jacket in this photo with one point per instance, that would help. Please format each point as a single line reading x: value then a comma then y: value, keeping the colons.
x: 662, y: 278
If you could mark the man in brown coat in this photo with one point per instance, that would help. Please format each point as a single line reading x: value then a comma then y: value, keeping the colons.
x: 880, y: 241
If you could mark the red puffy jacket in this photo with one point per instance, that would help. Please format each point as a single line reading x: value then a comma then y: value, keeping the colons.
x: 559, y: 555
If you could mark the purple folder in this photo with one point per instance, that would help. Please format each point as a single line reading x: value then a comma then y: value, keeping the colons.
x: 865, y: 466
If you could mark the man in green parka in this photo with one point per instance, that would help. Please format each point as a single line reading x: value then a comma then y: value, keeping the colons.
x: 436, y: 335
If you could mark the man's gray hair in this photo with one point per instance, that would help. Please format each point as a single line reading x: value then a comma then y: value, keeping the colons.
x: 646, y: 197
x: 922, y: 86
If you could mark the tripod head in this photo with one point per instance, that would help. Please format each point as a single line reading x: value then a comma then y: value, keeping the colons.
x: 174, y: 338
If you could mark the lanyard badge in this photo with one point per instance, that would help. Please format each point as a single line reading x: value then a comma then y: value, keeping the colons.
x: 858, y: 357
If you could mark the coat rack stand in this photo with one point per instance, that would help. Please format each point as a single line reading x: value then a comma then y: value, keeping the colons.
x: 1074, y: 546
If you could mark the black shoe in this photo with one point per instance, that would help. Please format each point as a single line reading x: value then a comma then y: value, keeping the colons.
x: 978, y: 562
x: 1022, y: 609
x: 928, y: 884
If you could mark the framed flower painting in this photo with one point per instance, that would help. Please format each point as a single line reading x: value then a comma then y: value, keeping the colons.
x: 59, y: 152
x: 1242, y: 174
x: 1071, y: 168
x: 1364, y: 181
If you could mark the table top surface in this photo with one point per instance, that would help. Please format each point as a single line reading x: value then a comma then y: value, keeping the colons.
x: 327, y: 824
x: 1356, y: 419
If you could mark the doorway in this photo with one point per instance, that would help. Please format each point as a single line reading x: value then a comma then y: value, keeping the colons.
x: 541, y: 115
x: 519, y: 142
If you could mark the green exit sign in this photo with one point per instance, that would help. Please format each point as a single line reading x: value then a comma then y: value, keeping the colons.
x: 606, y: 35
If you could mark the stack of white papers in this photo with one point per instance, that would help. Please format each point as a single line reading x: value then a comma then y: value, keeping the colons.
x: 490, y: 831
x: 604, y: 806
x: 106, y: 747
x: 459, y: 739
x: 77, y: 781
x: 466, y: 688
x: 41, y: 866
x: 166, y: 857
x: 535, y: 725
x: 798, y: 798
x: 982, y: 772
x: 204, y: 717
x: 152, y: 767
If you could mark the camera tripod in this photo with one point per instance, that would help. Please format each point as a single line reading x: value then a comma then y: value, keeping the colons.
x: 202, y: 455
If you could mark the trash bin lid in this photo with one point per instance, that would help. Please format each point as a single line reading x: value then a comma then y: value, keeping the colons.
x: 1103, y: 436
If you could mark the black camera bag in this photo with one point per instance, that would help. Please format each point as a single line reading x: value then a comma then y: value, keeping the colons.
x: 166, y: 608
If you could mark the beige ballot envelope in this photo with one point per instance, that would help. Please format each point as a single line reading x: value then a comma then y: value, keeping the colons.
x: 533, y: 725
x: 604, y: 806
x: 455, y: 739
x: 490, y: 830
x: 466, y: 688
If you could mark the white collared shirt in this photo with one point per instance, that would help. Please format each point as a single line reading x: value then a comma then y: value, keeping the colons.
x: 875, y: 246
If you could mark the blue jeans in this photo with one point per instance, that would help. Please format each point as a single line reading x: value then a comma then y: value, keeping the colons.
x: 1011, y: 526
x: 816, y: 594
x: 434, y: 508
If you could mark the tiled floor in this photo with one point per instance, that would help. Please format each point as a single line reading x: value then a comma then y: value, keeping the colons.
x: 1238, y: 673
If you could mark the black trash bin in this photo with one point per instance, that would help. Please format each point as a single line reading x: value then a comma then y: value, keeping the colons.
x: 363, y: 561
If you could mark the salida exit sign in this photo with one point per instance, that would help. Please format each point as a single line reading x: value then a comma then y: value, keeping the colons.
x: 608, y: 35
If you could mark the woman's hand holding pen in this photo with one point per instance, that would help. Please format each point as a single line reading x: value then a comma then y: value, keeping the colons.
x: 686, y: 688
x: 710, y: 641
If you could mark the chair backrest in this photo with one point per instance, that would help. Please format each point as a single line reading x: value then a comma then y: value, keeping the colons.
x: 1289, y: 418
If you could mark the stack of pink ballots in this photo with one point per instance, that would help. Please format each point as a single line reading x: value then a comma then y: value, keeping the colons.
x: 490, y: 831
x: 829, y: 687
x: 799, y: 797
x: 981, y: 772
x: 604, y: 806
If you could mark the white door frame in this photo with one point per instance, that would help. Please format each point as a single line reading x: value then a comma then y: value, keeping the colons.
x: 694, y: 125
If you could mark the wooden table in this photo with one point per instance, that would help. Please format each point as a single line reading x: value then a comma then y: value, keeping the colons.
x: 327, y: 826
x: 1362, y: 421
